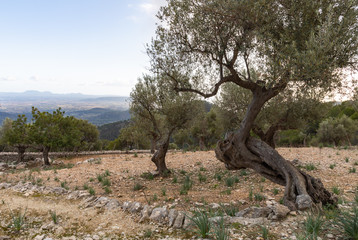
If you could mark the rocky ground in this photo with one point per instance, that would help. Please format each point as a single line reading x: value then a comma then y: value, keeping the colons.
x: 116, y: 197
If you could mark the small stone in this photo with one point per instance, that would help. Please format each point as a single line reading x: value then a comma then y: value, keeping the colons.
x: 188, y: 221
x: 254, y: 212
x: 145, y: 213
x: 127, y: 205
x: 136, y: 207
x: 112, y: 204
x: 159, y: 214
x: 39, y: 237
x: 172, y: 216
x: 69, y: 238
x: 293, y: 213
x: 330, y: 236
x: 279, y: 211
x: 178, y: 223
x: 303, y: 201
x: 214, y: 205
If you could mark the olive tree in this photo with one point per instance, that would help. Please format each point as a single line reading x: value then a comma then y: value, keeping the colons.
x: 53, y: 131
x: 17, y: 134
x: 162, y: 111
x: 337, y: 130
x: 265, y: 47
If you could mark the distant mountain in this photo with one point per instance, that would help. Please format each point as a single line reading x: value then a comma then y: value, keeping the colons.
x: 97, y: 109
x: 110, y: 131
x: 100, y: 116
x: 4, y: 115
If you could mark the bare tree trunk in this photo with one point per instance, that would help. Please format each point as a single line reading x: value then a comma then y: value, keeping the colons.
x: 153, y: 143
x: 202, y: 143
x: 21, y: 153
x: 159, y: 157
x: 239, y: 150
x: 45, y: 152
x: 268, y: 136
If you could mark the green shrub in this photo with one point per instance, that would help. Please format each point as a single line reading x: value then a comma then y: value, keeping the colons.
x: 54, y: 217
x: 229, y: 182
x: 230, y: 210
x: 147, y: 175
x: 220, y: 231
x: 310, y: 167
x: 99, y: 177
x: 175, y: 179
x: 349, y: 224
x: 85, y: 186
x: 202, y: 178
x: 336, y: 190
x: 17, y: 220
x: 147, y: 233
x: 243, y: 172
x: 137, y: 187
x: 201, y: 221
x: 265, y: 233
x: 259, y: 197
x: 187, y: 185
x: 218, y: 176
x: 313, y: 224
x: 91, y: 191
x: 106, y: 182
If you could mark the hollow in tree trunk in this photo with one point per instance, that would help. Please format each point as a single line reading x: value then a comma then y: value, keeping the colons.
x: 239, y: 150
x: 45, y: 151
x: 159, y: 158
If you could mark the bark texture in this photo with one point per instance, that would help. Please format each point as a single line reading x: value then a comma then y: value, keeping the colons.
x: 159, y: 158
x: 45, y: 152
x: 21, y: 153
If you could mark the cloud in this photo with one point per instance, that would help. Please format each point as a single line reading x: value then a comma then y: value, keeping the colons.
x: 151, y: 7
x: 34, y: 79
x: 146, y: 8
x: 7, y: 79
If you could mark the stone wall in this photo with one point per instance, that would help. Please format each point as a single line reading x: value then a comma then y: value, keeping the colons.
x: 12, y: 156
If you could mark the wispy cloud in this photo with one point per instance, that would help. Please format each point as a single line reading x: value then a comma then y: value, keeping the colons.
x: 148, y: 7
x: 151, y: 7
x: 7, y: 79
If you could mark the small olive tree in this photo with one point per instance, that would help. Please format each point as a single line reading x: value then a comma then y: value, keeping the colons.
x: 162, y: 111
x: 17, y: 134
x: 53, y: 131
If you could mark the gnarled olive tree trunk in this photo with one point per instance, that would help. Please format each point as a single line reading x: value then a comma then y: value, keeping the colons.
x: 239, y: 150
x: 45, y: 151
x: 21, y: 152
x: 159, y: 157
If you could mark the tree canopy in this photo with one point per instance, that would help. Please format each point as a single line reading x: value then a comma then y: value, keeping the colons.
x: 266, y: 47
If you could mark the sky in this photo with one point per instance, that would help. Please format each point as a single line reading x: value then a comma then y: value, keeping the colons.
x: 75, y: 46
